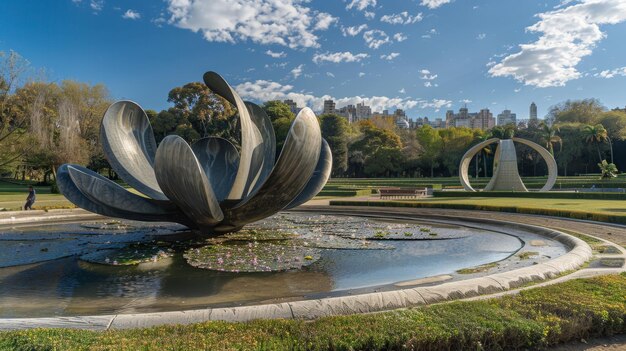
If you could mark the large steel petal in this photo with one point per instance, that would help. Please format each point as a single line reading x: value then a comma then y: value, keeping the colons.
x: 108, y: 193
x: 183, y: 180
x: 129, y: 145
x: 219, y: 159
x: 318, y: 179
x: 89, y: 201
x: 263, y: 155
x: 251, y: 136
x: 290, y: 175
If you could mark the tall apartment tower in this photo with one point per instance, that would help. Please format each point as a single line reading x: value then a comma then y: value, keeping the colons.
x: 506, y: 117
x: 329, y: 107
x: 533, y: 111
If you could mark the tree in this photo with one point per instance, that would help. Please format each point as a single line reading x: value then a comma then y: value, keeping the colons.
x: 386, y: 161
x: 595, y: 135
x: 196, y: 106
x: 335, y: 131
x: 584, y: 111
x: 370, y: 141
x: 573, y: 150
x: 277, y: 109
x: 503, y: 132
x: 549, y: 136
x: 282, y: 118
x: 607, y: 170
x: 615, y: 124
x: 14, y: 140
x: 431, y: 142
x: 411, y: 151
x: 454, y: 143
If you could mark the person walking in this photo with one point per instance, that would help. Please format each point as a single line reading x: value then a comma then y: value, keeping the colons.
x: 30, y: 199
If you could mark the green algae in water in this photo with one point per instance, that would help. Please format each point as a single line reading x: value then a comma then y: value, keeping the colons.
x: 251, y: 257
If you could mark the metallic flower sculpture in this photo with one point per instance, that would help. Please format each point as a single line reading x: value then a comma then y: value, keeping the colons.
x: 208, y: 186
x: 505, y: 174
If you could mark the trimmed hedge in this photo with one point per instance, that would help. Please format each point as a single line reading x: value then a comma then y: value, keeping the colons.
x: 345, y: 193
x: 590, y: 216
x: 533, y: 319
x: 537, y: 195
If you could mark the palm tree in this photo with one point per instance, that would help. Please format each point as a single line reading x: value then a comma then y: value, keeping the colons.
x: 549, y: 136
x: 607, y: 170
x: 595, y: 135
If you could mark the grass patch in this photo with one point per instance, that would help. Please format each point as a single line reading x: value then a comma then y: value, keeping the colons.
x: 612, y: 262
x: 477, y: 269
x: 533, y: 319
x: 527, y: 255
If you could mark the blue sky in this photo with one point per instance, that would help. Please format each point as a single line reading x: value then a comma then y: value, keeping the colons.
x: 425, y: 56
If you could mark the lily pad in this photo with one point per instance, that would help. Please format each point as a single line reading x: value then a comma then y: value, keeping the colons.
x: 259, y: 235
x: 251, y: 257
x: 338, y: 243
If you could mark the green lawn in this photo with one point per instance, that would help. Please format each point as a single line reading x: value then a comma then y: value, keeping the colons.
x: 534, y: 319
x: 13, y: 197
x: 609, y: 207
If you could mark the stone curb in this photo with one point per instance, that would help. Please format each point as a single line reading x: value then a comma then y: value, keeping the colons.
x: 579, y: 253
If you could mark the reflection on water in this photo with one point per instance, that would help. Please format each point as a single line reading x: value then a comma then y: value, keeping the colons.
x: 67, y: 286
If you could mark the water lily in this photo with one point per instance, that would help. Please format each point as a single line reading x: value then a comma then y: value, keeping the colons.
x: 209, y: 185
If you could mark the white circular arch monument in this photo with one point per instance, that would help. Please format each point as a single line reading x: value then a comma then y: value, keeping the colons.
x: 505, y: 174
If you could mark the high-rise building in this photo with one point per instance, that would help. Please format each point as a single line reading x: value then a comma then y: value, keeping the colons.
x: 478, y: 120
x: 349, y: 112
x: 363, y: 111
x: 483, y: 120
x: 506, y: 117
x: 533, y: 111
x: 329, y: 107
x: 292, y: 106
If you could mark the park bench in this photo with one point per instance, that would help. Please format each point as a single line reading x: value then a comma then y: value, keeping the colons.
x: 401, y: 193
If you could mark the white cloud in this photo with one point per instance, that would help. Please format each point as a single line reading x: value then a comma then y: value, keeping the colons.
x: 132, y: 15
x: 282, y: 22
x: 96, y: 5
x: 296, y: 72
x: 361, y: 4
x: 567, y: 35
x: 324, y: 20
x: 263, y: 90
x: 353, y: 31
x: 435, y: 104
x: 465, y: 101
x: 400, y: 37
x: 276, y: 54
x: 390, y: 56
x: 402, y: 91
x: 330, y: 74
x: 375, y: 38
x: 481, y: 36
x: 429, y: 84
x: 337, y: 57
x: 427, y: 75
x: 433, y: 4
x: 611, y: 73
x: 369, y: 15
x: 361, y: 74
x: 430, y: 33
x: 402, y: 18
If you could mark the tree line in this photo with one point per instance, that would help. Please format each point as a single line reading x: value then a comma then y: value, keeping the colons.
x: 45, y: 124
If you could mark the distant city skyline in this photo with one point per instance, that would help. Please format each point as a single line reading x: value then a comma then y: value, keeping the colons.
x: 384, y: 54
